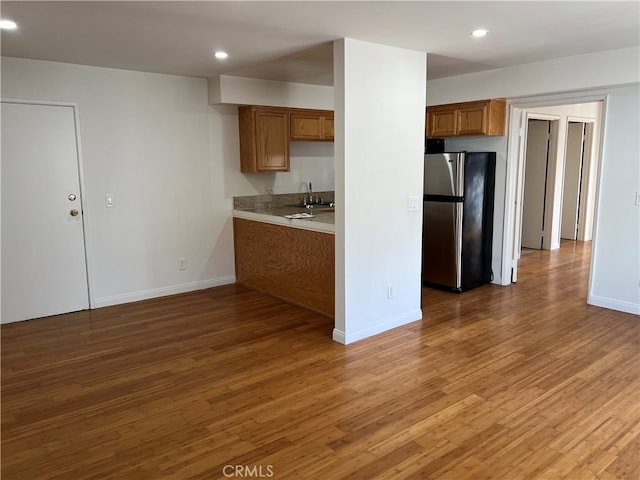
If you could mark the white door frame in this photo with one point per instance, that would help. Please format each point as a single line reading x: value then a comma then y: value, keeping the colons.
x: 516, y: 238
x: 83, y: 202
x: 518, y: 109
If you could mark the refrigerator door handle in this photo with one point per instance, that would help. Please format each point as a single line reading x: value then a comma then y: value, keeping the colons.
x: 459, y: 175
x: 458, y: 240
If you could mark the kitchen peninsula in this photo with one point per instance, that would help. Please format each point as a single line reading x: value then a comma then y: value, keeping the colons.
x: 290, y: 258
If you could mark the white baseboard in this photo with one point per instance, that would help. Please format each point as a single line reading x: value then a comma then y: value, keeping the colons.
x: 393, y: 322
x: 339, y: 336
x: 162, y: 292
x: 613, y: 304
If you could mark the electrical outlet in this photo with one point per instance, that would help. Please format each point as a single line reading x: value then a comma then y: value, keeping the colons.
x: 108, y: 200
x: 389, y: 292
x: 182, y: 263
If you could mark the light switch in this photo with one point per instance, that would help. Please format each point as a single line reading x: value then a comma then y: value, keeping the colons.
x: 108, y: 201
x: 413, y: 204
x: 637, y: 199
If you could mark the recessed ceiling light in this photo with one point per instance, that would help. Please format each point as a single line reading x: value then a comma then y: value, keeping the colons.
x: 480, y: 32
x: 8, y: 24
x: 220, y: 54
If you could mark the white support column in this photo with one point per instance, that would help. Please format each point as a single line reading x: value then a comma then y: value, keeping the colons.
x: 379, y: 124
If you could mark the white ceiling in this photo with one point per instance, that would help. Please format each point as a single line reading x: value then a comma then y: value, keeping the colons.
x: 291, y: 40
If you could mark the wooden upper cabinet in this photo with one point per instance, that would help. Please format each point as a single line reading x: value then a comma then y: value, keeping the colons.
x: 265, y: 133
x: 264, y: 139
x: 311, y: 125
x: 442, y: 122
x: 484, y: 117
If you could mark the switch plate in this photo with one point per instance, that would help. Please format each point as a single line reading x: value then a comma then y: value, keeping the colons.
x: 182, y: 263
x: 637, y: 199
x: 413, y: 204
x: 108, y: 201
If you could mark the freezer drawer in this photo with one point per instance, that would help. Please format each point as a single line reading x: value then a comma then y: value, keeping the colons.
x: 442, y: 244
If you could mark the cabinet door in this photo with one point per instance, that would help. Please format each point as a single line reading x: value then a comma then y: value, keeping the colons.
x: 306, y: 127
x: 441, y: 122
x: 312, y: 125
x: 272, y: 141
x: 472, y: 119
x: 327, y: 131
x: 496, y: 117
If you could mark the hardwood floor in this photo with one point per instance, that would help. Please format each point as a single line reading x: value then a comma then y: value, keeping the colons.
x: 519, y: 382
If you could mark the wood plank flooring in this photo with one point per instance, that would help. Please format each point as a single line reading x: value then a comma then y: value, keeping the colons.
x: 519, y: 382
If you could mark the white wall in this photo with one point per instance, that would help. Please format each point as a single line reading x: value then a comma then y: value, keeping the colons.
x: 172, y: 163
x: 616, y: 245
x: 145, y: 138
x: 379, y: 112
x: 310, y: 162
x: 580, y: 72
x: 615, y: 269
x: 227, y: 89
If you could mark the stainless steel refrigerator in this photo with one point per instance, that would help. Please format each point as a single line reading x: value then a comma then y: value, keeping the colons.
x: 458, y: 219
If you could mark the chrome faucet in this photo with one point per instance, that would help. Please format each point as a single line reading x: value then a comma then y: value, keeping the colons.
x: 310, y: 194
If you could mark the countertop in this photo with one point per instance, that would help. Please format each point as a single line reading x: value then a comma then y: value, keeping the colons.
x: 322, y: 220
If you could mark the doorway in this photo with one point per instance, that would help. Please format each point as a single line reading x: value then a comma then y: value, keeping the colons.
x: 589, y: 113
x: 44, y: 268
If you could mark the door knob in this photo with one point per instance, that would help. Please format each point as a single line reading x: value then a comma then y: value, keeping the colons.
x: 72, y: 197
x: 74, y: 212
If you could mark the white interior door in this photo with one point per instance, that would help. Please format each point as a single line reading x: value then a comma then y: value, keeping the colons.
x: 535, y: 181
x: 586, y: 205
x: 572, y: 180
x: 43, y: 255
